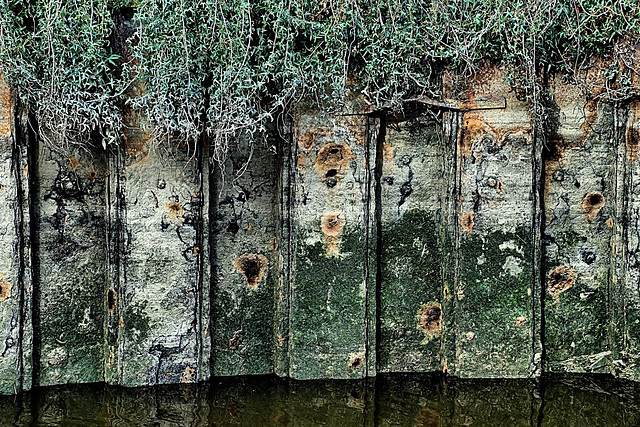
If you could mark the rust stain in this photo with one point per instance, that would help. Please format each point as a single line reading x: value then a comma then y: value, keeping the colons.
x: 500, y: 187
x: 175, y: 211
x: 592, y: 203
x: 5, y: 108
x: 333, y: 159
x: 280, y: 340
x: 308, y: 140
x: 560, y: 279
x: 112, y: 300
x: 332, y: 225
x: 252, y: 267
x: 609, y: 222
x: 466, y: 222
x: 470, y: 131
x: 521, y: 321
x: 92, y: 175
x: 234, y: 342
x: 357, y: 129
x: 300, y: 161
x: 121, y: 322
x: 430, y: 320
x: 387, y: 151
x: 5, y: 288
x: 188, y: 376
x: 73, y: 164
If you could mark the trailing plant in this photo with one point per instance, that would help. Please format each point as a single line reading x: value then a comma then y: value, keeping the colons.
x: 213, y: 69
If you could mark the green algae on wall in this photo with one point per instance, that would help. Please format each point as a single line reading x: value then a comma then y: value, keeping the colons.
x: 245, y: 273
x: 331, y: 260
x: 580, y: 194
x: 411, y: 283
x: 70, y: 269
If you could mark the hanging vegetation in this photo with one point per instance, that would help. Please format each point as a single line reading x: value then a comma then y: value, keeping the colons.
x: 216, y: 68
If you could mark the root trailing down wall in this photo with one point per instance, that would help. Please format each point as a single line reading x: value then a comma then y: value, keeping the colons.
x: 452, y: 238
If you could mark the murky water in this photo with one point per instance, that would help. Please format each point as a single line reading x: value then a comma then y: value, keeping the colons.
x: 405, y: 400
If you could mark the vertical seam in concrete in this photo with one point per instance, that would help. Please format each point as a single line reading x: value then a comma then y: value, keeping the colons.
x: 213, y: 252
x: 380, y: 140
x: 453, y: 136
x: 32, y: 164
x: 19, y: 225
x: 199, y: 243
x: 619, y: 238
x: 537, y: 218
x: 293, y: 152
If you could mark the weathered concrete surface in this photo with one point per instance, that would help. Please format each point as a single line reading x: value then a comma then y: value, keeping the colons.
x: 15, y: 289
x: 245, y: 259
x: 580, y: 193
x: 142, y: 274
x: 627, y: 321
x: 332, y: 251
x: 161, y: 272
x: 412, y: 217
x: 495, y: 318
x: 70, y: 268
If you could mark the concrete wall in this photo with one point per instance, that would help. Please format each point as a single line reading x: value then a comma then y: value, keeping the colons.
x: 452, y: 238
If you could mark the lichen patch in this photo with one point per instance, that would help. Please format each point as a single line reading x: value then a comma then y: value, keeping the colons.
x: 560, y: 279
x: 5, y: 288
x: 592, y: 203
x: 252, y: 267
x: 430, y: 321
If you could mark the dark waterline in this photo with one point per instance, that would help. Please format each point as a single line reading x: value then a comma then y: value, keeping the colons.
x: 405, y: 400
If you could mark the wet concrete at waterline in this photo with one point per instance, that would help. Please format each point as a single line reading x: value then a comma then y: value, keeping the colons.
x: 405, y: 400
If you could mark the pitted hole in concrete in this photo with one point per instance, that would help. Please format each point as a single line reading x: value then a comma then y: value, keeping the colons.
x: 234, y: 342
x: 430, y: 320
x: 558, y: 176
x: 112, y: 300
x: 5, y: 288
x: 332, y: 181
x: 233, y: 227
x: 252, y: 267
x: 467, y: 223
x: 592, y: 203
x: 589, y: 257
x: 332, y: 223
x: 333, y: 159
x: 356, y: 361
x: 560, y: 279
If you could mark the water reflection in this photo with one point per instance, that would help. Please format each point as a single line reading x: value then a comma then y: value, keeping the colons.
x: 404, y: 400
